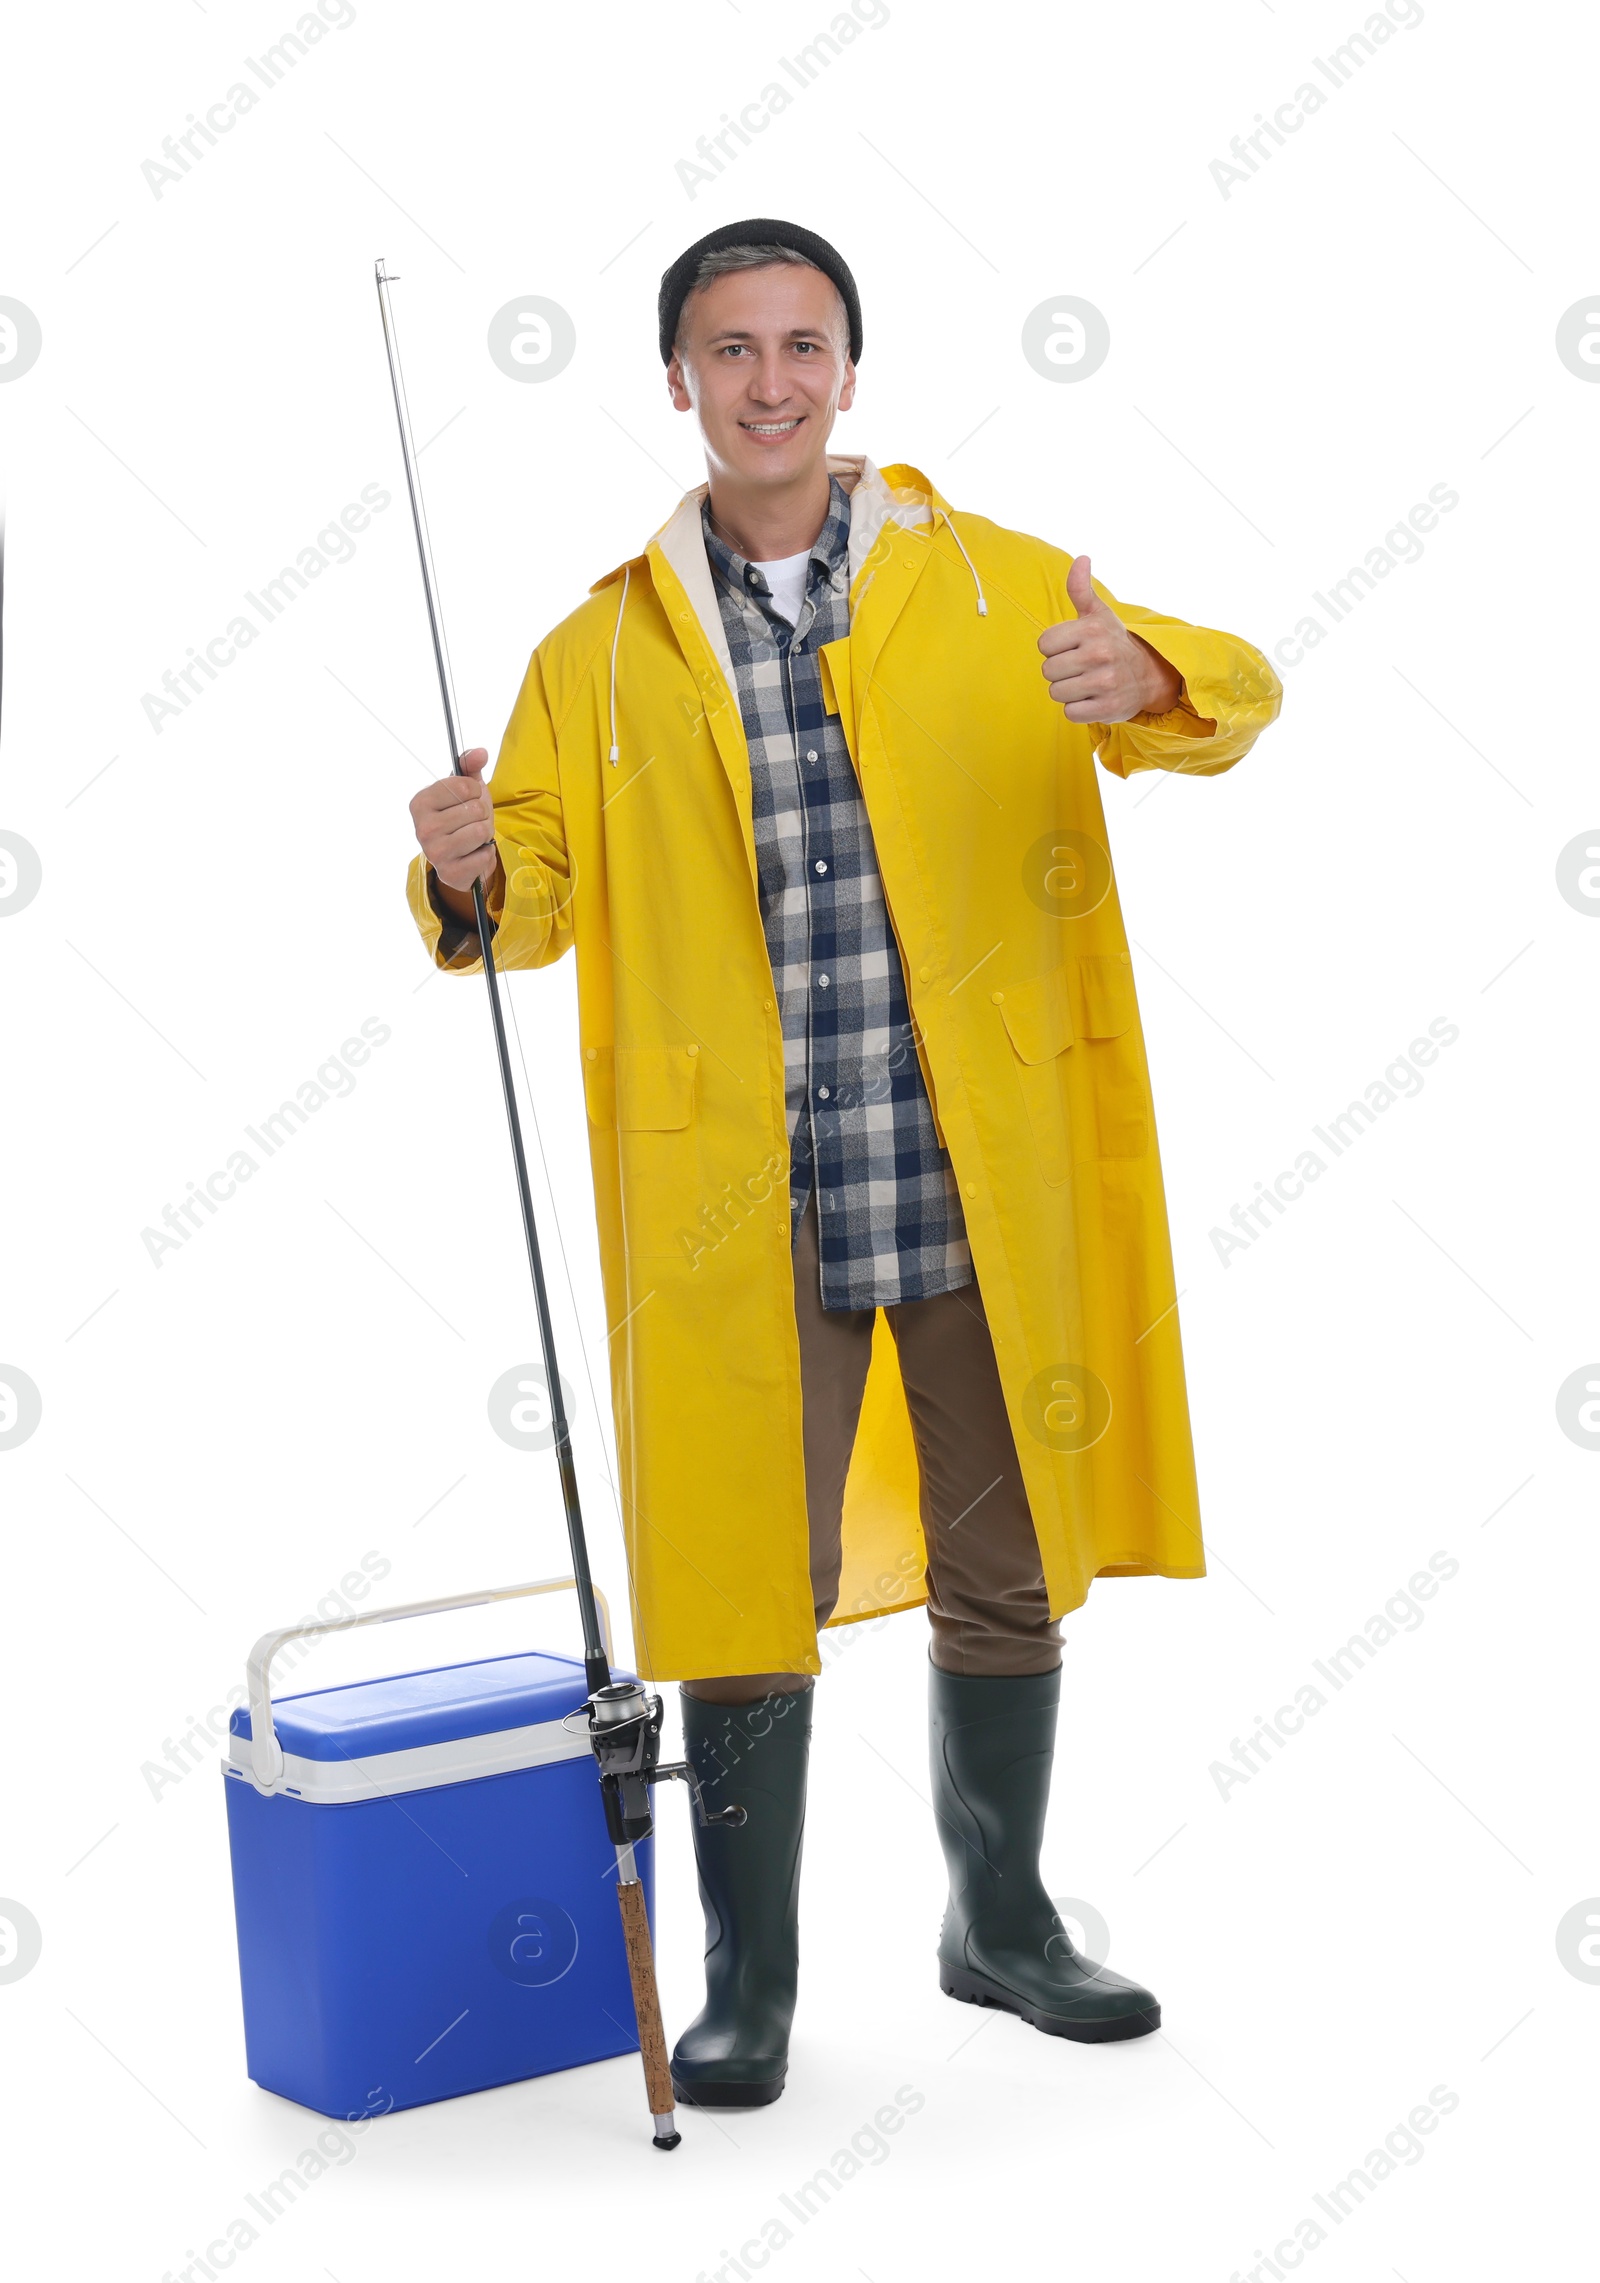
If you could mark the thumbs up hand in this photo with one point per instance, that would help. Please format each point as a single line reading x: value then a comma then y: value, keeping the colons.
x: 1097, y: 670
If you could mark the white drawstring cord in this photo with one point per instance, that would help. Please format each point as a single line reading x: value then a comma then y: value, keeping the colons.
x: 983, y: 607
x: 616, y: 632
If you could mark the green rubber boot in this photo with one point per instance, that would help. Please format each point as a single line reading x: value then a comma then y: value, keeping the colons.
x: 735, y: 2053
x: 991, y: 1745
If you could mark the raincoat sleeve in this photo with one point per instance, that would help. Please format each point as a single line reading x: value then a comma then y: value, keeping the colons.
x: 531, y: 906
x: 1229, y: 696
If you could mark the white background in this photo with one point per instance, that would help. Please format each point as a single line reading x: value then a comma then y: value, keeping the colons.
x: 1371, y: 313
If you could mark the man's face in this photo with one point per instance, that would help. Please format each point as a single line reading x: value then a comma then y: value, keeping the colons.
x: 763, y: 367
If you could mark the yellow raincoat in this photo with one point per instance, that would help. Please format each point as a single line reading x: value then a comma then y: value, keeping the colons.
x: 622, y: 813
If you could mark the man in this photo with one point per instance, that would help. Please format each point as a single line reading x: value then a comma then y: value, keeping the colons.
x: 809, y: 785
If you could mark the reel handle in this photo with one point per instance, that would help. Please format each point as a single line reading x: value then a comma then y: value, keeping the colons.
x: 681, y: 1772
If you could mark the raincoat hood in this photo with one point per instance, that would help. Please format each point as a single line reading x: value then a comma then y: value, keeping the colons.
x: 910, y: 504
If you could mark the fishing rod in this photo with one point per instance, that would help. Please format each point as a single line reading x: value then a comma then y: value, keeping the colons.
x: 624, y: 1718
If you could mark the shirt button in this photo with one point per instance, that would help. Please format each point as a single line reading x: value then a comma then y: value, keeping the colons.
x: 821, y: 867
x: 822, y: 982
x: 822, y: 1093
x: 811, y: 757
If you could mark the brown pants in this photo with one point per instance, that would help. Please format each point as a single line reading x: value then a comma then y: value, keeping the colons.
x: 986, y: 1592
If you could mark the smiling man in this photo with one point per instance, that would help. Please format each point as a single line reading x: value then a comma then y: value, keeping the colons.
x: 809, y: 785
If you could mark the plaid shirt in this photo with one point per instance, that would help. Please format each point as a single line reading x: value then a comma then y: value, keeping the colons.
x: 889, y: 1220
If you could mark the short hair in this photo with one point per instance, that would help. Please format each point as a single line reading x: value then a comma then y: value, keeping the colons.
x: 721, y: 259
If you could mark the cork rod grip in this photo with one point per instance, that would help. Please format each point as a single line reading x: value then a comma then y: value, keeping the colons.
x: 646, y: 2004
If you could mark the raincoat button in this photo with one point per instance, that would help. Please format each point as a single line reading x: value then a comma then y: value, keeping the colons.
x: 997, y: 996
x: 924, y: 974
x: 972, y: 1189
x: 592, y: 1054
x: 767, y: 1003
x: 691, y: 1049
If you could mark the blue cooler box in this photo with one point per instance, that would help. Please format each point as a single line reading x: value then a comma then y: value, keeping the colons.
x: 423, y: 1885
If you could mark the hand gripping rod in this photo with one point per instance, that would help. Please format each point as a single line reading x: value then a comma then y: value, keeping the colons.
x: 624, y: 1720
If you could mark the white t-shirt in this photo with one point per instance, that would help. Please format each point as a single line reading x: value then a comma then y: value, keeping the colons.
x: 787, y: 579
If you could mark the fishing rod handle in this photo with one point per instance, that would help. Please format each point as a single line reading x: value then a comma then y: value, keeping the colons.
x: 647, y: 2009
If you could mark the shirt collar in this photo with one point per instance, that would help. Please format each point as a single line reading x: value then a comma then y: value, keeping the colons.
x: 830, y: 549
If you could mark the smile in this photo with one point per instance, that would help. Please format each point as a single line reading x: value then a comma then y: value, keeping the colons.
x: 771, y: 427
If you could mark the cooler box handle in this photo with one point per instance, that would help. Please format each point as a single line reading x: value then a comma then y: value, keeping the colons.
x: 266, y: 1753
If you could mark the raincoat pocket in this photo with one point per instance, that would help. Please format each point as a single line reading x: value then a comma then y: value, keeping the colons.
x: 646, y: 1096
x: 655, y: 1087
x: 1038, y: 1018
x: 1074, y: 1038
x: 1110, y: 1074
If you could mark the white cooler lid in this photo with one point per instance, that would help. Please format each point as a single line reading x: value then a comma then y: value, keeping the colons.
x: 414, y: 1731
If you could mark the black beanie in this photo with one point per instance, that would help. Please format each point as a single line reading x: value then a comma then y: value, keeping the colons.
x: 675, y: 282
